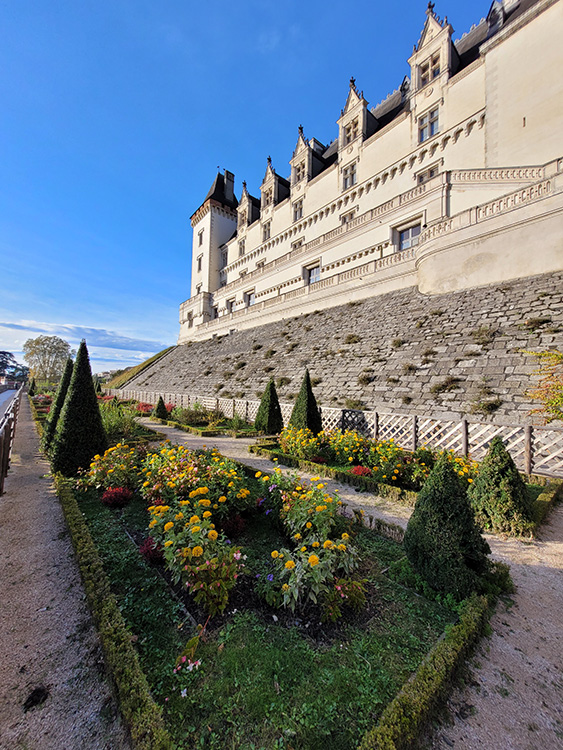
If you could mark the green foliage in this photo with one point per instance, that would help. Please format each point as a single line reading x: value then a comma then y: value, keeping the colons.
x: 442, y: 540
x: 269, y: 417
x: 159, y: 410
x: 121, y: 378
x: 32, y: 388
x: 52, y: 421
x: 80, y: 433
x: 498, y: 495
x: 549, y: 389
x: 305, y: 412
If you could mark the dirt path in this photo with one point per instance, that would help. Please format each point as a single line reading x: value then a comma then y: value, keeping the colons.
x: 514, y: 699
x: 47, y: 639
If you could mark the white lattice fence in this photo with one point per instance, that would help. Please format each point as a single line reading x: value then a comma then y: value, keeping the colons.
x: 397, y: 427
x: 252, y: 410
x: 286, y: 410
x: 227, y: 406
x: 331, y: 418
x: 441, y: 435
x: 548, y: 452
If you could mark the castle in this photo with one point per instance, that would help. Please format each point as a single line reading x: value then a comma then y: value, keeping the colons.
x: 454, y: 181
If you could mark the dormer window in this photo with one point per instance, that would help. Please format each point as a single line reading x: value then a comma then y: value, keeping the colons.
x: 242, y: 219
x: 298, y: 210
x: 429, y: 70
x: 299, y: 171
x: 266, y: 231
x: 349, y: 176
x: 351, y: 132
x: 241, y: 248
x: 268, y: 197
x: 428, y: 125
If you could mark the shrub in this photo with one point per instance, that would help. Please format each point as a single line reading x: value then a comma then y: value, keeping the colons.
x: 50, y: 425
x: 442, y: 541
x: 32, y: 388
x: 151, y: 551
x: 361, y: 471
x: 117, y: 497
x: 80, y: 433
x: 305, y: 412
x: 269, y: 417
x: 160, y: 411
x: 498, y: 495
x: 118, y: 467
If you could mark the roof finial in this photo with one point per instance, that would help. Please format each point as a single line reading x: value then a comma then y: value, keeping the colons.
x: 269, y: 161
x: 430, y: 8
x: 352, y: 83
x: 244, y: 186
x: 300, y: 129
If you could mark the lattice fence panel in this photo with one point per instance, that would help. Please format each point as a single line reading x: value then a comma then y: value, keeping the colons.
x: 227, y: 407
x: 480, y: 436
x: 440, y: 435
x: 355, y: 420
x: 286, y: 410
x: 331, y: 418
x: 208, y: 403
x: 548, y: 452
x: 396, y: 426
x: 252, y: 410
x: 240, y: 408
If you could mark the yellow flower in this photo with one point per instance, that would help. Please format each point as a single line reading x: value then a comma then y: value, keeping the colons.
x: 197, y: 551
x: 342, y: 547
x: 303, y: 549
x: 308, y: 524
x: 194, y: 519
x: 327, y: 544
x: 168, y: 543
x: 168, y: 526
x: 195, y: 529
x: 146, y: 484
x: 258, y: 474
x: 222, y: 499
x: 313, y: 560
x: 290, y: 564
x: 152, y: 524
x: 285, y: 586
x: 316, y: 544
x: 178, y: 516
x: 345, y: 536
x: 212, y: 535
x: 275, y: 554
x: 297, y: 536
x: 207, y: 514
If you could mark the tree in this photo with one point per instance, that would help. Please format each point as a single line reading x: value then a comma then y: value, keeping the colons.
x: 32, y: 387
x: 498, y: 495
x: 159, y: 410
x: 46, y: 356
x: 11, y: 369
x: 56, y: 408
x: 305, y: 412
x: 80, y: 433
x: 269, y: 417
x: 442, y: 541
x: 549, y: 389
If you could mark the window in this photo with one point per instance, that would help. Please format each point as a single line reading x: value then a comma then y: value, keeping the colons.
x: 242, y: 222
x: 351, y: 132
x: 297, y: 244
x: 214, y: 312
x: 312, y: 274
x: 198, y: 289
x: 199, y: 262
x: 268, y: 197
x: 428, y: 125
x: 430, y: 69
x: 243, y: 273
x: 349, y: 176
x: 260, y: 264
x: 299, y: 172
x: 249, y: 298
x: 266, y: 231
x: 427, y: 175
x: 190, y: 320
x: 298, y: 210
x: 241, y: 246
x: 409, y: 237
x: 200, y: 238
x: 230, y: 304
x: 224, y: 258
x: 346, y: 218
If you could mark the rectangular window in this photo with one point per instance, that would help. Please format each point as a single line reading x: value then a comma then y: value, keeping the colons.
x: 241, y: 246
x: 214, y: 312
x: 266, y: 231
x: 230, y: 305
x: 430, y: 69
x: 351, y: 132
x: 428, y: 125
x: 298, y: 210
x: 249, y: 298
x: 409, y: 237
x: 200, y: 238
x: 224, y: 258
x: 198, y: 289
x: 242, y: 221
x: 297, y: 244
x: 427, y: 175
x: 243, y: 272
x: 347, y: 218
x: 313, y: 274
x: 299, y: 172
x: 268, y: 197
x: 349, y: 176
x: 199, y: 262
x: 260, y: 264
x: 190, y: 320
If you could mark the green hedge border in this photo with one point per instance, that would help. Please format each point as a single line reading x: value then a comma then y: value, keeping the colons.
x: 404, y: 719
x: 140, y: 713
x: 202, y: 432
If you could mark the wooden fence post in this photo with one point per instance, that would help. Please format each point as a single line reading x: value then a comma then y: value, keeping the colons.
x: 528, y: 448
x: 375, y: 425
x: 414, y: 432
x: 464, y: 437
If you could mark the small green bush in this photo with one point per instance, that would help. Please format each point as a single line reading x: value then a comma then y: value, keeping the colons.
x: 305, y: 412
x: 51, y: 422
x: 269, y: 417
x: 159, y: 410
x: 442, y: 541
x: 32, y: 388
x: 498, y: 495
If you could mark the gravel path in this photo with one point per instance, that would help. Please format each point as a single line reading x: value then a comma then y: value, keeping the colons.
x: 49, y: 650
x: 513, y: 699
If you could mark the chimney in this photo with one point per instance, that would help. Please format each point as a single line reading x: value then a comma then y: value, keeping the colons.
x: 229, y: 186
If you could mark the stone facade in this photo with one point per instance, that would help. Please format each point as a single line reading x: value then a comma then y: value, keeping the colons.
x: 450, y: 355
x: 453, y: 182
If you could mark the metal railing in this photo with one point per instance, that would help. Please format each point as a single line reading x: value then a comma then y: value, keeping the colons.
x: 7, y: 433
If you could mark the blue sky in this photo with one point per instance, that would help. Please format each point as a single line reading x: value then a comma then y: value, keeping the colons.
x: 116, y: 115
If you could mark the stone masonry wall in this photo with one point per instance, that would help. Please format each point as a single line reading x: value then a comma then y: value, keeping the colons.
x: 447, y: 356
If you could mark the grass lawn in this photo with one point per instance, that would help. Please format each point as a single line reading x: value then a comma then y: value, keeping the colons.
x: 268, y: 678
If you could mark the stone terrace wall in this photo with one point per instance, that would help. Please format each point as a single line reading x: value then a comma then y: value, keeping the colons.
x: 445, y: 356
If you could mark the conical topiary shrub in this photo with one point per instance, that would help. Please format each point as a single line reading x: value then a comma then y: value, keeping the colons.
x: 442, y: 541
x: 498, y: 495
x: 32, y: 388
x: 80, y: 434
x: 51, y: 423
x: 159, y: 410
x: 305, y: 412
x: 269, y: 417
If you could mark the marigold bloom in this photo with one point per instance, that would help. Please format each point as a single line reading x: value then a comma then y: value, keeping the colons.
x: 195, y: 529
x: 308, y: 524
x: 168, y: 543
x: 212, y: 535
x: 197, y: 551
x: 297, y: 536
x: 316, y: 544
x: 303, y: 549
x: 168, y: 526
x: 222, y: 499
x: 290, y: 564
x: 342, y: 547
x: 345, y: 536
x: 194, y: 519
x: 258, y: 474
x: 285, y: 586
x: 327, y: 544
x: 275, y: 554
x: 313, y: 560
x: 207, y: 514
